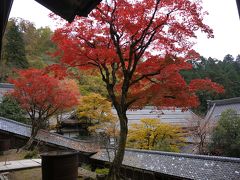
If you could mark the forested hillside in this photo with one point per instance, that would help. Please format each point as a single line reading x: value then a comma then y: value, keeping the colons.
x: 223, y: 71
x: 25, y: 46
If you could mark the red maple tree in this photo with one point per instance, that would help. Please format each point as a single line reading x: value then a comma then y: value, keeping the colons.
x: 42, y: 96
x: 139, y: 47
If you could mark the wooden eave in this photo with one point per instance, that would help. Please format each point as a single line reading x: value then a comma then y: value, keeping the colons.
x: 68, y: 9
x: 238, y: 6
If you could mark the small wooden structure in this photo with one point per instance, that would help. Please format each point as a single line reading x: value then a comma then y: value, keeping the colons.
x: 60, y: 165
x: 4, y: 145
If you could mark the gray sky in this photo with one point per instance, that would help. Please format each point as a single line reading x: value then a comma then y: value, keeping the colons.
x: 223, y: 19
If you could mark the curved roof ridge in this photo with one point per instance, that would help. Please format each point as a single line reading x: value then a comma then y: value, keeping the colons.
x: 224, y: 101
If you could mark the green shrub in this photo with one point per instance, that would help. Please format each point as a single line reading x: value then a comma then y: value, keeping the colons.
x: 31, y: 154
x: 86, y: 166
x: 226, y: 135
x: 11, y: 109
x: 104, y: 171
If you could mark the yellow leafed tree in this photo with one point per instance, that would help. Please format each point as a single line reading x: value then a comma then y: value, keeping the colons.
x: 97, y: 111
x: 94, y: 108
x: 103, y: 124
x: 152, y: 134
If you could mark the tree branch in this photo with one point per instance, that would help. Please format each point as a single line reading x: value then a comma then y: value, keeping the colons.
x: 144, y: 76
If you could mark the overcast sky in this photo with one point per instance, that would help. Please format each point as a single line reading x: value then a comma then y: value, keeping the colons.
x: 223, y: 19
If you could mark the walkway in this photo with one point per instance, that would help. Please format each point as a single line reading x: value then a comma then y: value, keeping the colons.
x: 20, y: 164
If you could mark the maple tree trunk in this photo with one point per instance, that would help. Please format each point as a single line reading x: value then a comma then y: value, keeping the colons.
x: 29, y: 144
x: 114, y: 173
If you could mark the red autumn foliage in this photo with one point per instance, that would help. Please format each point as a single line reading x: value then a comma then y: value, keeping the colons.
x: 139, y: 47
x: 152, y: 50
x: 57, y: 70
x: 204, y: 84
x: 39, y: 92
x: 41, y: 96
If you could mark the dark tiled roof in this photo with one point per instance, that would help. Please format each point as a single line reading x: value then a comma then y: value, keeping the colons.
x: 177, y: 116
x: 224, y: 101
x: 68, y: 9
x: 218, y: 106
x: 52, y: 138
x: 180, y: 165
x: 6, y: 86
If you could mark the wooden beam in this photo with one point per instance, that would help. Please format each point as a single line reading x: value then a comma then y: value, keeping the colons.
x: 5, y: 8
x: 238, y: 6
x: 68, y: 9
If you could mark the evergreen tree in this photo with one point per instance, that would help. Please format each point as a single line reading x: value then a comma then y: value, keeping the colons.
x: 225, y: 72
x: 14, y: 49
x: 10, y: 108
x: 228, y: 58
x: 238, y: 58
x: 226, y: 136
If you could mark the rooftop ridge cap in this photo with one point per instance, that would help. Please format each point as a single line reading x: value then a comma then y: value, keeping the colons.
x: 15, y: 122
x: 29, y: 126
x: 224, y: 100
x: 185, y: 155
x: 39, y: 138
x: 59, y: 135
x: 6, y: 84
x: 167, y: 108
